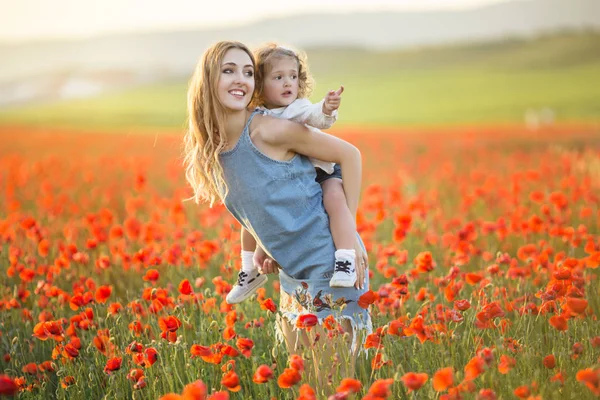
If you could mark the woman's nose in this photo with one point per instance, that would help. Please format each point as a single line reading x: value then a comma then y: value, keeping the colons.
x: 239, y: 78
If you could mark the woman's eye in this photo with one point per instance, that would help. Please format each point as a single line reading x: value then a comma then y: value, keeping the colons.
x: 227, y: 71
x: 249, y: 73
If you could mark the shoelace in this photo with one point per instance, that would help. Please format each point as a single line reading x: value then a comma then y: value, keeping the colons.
x: 241, y: 276
x: 342, y: 266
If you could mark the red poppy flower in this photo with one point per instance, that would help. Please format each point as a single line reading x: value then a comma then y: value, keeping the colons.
x: 185, y: 287
x: 152, y: 275
x: 307, y: 321
x: 549, y: 361
x: 506, y: 364
x: 349, y: 386
x: 473, y: 278
x: 8, y: 387
x: 296, y: 362
x: 380, y: 388
x: 306, y: 393
x: 49, y: 330
x: 379, y: 361
x: 367, y: 298
x: 559, y: 322
x: 70, y: 351
x: 114, y: 308
x: 443, y: 379
x: 200, y: 351
x: 414, y: 381
x: 263, y: 374
x: 135, y: 374
x: 30, y: 369
x: 288, y: 378
x: 330, y: 323
x: 474, y: 368
x: 424, y: 262
x: 150, y: 356
x: 269, y: 305
x: 486, y: 394
x: 462, y: 305
x: 576, y: 305
x: 231, y: 381
x: 169, y: 324
x: 112, y: 365
x: 558, y: 377
x: 67, y: 381
x: 229, y: 351
x: 229, y: 333
x: 195, y: 391
x: 522, y: 392
x: 245, y: 346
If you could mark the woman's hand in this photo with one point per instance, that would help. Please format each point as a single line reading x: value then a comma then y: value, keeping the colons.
x: 264, y: 263
x: 361, y: 265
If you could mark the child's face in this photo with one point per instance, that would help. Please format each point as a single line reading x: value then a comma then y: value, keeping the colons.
x: 236, y: 80
x: 281, y: 83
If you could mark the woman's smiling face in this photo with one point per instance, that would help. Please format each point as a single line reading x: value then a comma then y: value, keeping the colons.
x: 236, y: 80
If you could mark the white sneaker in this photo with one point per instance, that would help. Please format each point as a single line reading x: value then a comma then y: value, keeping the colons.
x: 246, y: 285
x: 344, y: 274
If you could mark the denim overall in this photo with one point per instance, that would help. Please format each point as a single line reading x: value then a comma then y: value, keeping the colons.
x: 281, y: 205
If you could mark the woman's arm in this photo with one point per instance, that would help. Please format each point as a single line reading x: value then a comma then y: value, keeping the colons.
x: 292, y: 136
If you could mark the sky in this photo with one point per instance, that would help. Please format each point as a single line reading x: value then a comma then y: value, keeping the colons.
x: 23, y: 20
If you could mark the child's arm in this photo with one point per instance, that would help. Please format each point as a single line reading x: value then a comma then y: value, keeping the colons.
x: 321, y: 115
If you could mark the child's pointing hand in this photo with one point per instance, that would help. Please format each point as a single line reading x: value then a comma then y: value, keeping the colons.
x: 332, y: 101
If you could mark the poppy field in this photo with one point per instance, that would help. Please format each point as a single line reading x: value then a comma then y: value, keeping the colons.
x: 484, y: 247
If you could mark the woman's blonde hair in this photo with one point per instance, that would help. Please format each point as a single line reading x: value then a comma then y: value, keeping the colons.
x: 265, y: 55
x: 205, y: 137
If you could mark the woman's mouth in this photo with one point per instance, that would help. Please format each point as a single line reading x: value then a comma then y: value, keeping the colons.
x: 237, y: 93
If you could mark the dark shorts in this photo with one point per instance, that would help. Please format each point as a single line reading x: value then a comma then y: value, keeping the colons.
x: 322, y: 176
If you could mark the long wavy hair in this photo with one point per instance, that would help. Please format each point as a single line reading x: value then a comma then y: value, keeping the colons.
x: 265, y: 56
x: 205, y: 137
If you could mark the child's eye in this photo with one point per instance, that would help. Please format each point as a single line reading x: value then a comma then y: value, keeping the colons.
x: 294, y: 76
x: 278, y: 77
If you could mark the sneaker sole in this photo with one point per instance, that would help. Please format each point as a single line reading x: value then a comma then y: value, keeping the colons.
x: 257, y: 284
x: 343, y: 284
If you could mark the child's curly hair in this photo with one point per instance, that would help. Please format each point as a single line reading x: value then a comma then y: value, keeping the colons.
x: 264, y: 56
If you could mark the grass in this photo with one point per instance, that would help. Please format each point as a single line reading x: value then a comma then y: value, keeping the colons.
x: 460, y: 84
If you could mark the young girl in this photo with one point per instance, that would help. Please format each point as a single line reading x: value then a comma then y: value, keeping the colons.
x: 283, y: 84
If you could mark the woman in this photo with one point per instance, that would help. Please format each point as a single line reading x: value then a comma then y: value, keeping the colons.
x: 259, y: 167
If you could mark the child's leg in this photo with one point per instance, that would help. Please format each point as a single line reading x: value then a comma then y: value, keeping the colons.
x: 341, y: 221
x: 343, y: 231
x: 248, y: 248
x: 249, y: 279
